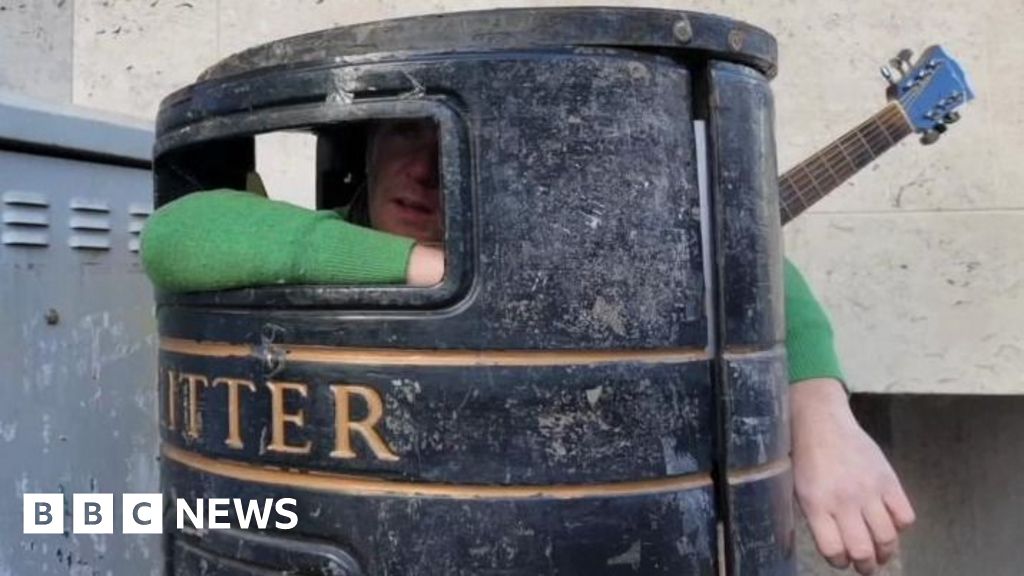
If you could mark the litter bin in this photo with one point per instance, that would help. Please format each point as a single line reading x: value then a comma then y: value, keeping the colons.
x: 597, y: 386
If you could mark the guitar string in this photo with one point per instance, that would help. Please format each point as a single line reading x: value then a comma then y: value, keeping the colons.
x: 874, y: 130
x: 882, y: 131
x: 811, y: 174
x: 877, y: 135
x: 843, y: 143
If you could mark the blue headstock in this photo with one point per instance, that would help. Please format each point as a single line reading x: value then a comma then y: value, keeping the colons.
x: 929, y: 90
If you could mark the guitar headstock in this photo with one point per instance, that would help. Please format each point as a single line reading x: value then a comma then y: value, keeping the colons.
x: 930, y: 90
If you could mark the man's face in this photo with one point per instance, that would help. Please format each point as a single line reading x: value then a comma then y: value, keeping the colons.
x: 405, y: 197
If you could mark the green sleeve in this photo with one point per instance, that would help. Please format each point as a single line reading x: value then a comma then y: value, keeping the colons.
x: 226, y: 239
x: 809, y: 342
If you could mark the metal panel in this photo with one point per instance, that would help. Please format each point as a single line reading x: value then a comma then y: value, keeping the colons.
x: 77, y: 343
x: 32, y: 124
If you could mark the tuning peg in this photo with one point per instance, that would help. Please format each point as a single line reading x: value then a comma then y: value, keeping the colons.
x: 951, y: 117
x: 888, y: 75
x: 902, y: 61
x: 930, y: 137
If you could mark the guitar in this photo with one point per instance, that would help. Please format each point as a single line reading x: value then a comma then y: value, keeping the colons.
x: 924, y: 99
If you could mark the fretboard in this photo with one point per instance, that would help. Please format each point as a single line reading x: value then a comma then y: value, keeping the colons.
x: 812, y: 179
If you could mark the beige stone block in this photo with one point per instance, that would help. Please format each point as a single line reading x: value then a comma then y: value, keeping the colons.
x: 245, y: 23
x: 829, y: 82
x: 129, y: 55
x: 35, y: 49
x: 923, y: 302
x: 286, y: 162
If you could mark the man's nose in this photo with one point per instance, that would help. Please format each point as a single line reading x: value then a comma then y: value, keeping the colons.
x: 423, y: 166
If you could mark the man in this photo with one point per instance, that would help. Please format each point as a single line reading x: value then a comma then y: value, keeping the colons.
x: 852, y: 499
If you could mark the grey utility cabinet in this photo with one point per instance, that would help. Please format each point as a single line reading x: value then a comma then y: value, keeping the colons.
x: 77, y: 337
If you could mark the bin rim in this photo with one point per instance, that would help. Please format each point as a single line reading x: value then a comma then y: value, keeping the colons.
x: 500, y: 29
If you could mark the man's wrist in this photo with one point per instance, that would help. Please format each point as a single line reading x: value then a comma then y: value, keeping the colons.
x: 819, y: 397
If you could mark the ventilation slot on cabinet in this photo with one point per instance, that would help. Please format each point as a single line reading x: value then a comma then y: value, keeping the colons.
x: 26, y: 219
x: 90, y: 224
x: 138, y: 214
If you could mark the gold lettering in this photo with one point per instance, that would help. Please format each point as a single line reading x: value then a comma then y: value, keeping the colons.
x: 278, y: 442
x: 234, y: 439
x: 195, y: 420
x: 344, y: 425
x: 172, y: 400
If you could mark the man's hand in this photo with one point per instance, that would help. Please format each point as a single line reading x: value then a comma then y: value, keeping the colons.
x: 426, y: 266
x: 845, y: 486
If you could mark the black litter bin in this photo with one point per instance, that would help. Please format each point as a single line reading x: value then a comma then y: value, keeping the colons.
x: 598, y: 385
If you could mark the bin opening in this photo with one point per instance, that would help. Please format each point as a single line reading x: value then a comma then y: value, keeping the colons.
x: 395, y: 168
x: 384, y: 174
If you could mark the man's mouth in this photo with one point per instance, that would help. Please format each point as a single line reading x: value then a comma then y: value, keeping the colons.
x: 415, y: 206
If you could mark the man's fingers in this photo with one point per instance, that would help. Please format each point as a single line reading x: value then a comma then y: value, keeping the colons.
x: 899, y: 507
x: 859, y: 545
x: 828, y: 539
x: 882, y: 530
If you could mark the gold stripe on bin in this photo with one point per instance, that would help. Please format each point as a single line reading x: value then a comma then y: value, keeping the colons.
x: 362, y: 485
x: 428, y: 357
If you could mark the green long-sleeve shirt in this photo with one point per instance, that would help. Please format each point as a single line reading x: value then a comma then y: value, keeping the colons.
x: 199, y: 243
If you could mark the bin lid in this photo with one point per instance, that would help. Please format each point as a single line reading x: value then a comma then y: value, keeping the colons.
x: 515, y: 29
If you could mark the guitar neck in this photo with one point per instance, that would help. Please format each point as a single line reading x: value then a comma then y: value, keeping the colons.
x: 814, y: 178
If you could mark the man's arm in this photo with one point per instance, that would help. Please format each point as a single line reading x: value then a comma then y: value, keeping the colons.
x: 846, y: 488
x: 227, y: 239
x: 810, y: 348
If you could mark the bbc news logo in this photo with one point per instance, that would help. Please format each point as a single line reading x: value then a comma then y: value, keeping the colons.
x: 143, y: 513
